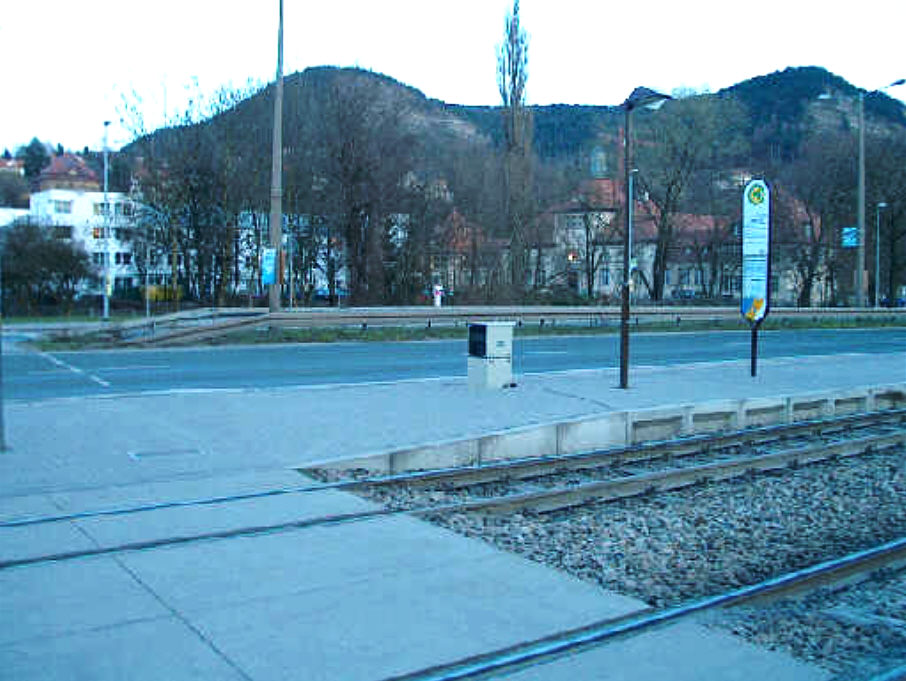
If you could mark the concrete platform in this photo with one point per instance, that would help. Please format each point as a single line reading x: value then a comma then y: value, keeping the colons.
x: 365, y: 600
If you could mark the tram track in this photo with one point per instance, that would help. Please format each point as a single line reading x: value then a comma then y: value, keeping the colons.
x: 860, y: 565
x: 552, y: 497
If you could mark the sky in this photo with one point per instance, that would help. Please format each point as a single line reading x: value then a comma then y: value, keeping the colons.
x: 70, y: 65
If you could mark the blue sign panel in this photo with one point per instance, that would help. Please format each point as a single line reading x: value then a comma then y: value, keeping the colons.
x: 269, y: 266
x: 850, y: 237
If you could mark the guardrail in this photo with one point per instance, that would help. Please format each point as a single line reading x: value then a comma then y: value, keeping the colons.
x: 211, y: 322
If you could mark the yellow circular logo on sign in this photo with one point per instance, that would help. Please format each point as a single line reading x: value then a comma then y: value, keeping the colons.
x: 756, y: 194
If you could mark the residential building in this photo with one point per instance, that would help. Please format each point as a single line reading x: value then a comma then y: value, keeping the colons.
x: 71, y: 202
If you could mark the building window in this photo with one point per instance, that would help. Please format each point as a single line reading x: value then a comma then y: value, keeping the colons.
x: 604, y: 277
x: 62, y: 232
x: 574, y: 223
x: 99, y: 258
x: 62, y: 207
x: 123, y: 258
x: 684, y: 278
x: 98, y: 232
x: 667, y: 277
x: 100, y: 208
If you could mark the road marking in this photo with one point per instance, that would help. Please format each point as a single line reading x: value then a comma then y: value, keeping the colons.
x: 134, y: 367
x: 63, y: 365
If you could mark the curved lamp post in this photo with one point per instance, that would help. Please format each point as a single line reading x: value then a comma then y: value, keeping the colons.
x: 275, y: 231
x: 645, y: 97
x: 860, y: 266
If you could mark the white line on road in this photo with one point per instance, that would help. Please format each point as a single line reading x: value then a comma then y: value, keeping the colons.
x: 63, y: 365
x: 133, y: 367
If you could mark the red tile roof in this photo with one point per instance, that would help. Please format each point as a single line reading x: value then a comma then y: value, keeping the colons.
x: 68, y: 171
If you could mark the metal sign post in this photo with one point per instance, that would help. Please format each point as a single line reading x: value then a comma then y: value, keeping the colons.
x: 756, y: 258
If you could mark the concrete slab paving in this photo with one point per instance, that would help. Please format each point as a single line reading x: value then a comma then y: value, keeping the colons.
x: 139, y: 651
x: 354, y: 601
x: 236, y: 431
x: 366, y: 600
x: 176, y: 490
x: 30, y: 542
x: 200, y: 577
x: 189, y: 521
x: 49, y: 600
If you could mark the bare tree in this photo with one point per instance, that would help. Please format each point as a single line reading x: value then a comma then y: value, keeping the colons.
x: 815, y: 195
x: 512, y: 75
x: 367, y: 150
x: 687, y: 137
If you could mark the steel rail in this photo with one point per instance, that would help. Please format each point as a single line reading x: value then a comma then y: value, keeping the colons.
x: 545, y: 501
x: 548, y: 649
x: 555, y: 499
x: 517, y: 469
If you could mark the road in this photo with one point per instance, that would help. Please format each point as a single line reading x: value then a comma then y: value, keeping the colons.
x: 30, y: 376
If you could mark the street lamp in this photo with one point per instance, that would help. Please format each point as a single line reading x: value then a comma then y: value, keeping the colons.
x: 881, y: 205
x: 860, y: 265
x: 641, y: 96
x: 275, y: 230
x: 107, y: 244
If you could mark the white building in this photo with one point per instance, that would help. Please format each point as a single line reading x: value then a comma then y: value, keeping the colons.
x: 98, y: 226
x: 71, y: 203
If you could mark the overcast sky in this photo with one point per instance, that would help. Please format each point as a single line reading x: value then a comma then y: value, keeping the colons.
x: 68, y: 63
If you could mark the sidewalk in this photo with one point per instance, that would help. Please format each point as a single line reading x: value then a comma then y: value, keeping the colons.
x: 361, y: 601
x: 99, y: 442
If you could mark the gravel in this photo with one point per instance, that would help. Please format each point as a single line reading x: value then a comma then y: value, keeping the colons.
x: 674, y: 547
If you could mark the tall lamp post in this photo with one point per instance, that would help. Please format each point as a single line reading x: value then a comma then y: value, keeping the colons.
x: 881, y: 206
x: 641, y: 96
x: 860, y: 265
x: 275, y: 230
x: 107, y: 263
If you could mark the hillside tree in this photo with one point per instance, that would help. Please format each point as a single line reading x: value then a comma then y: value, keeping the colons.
x: 512, y: 76
x: 687, y: 137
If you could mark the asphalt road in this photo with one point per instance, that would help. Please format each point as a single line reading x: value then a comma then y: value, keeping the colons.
x: 30, y: 375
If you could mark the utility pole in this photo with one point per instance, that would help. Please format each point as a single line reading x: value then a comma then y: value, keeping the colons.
x: 276, y: 222
x: 860, y: 264
x: 3, y: 446
x: 107, y: 263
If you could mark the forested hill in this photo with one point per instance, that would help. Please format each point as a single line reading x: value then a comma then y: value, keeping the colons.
x: 779, y: 106
x: 782, y: 108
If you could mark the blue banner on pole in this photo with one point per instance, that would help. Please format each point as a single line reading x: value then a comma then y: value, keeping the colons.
x: 269, y: 266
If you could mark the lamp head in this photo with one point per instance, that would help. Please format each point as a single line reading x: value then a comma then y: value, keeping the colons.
x: 643, y: 96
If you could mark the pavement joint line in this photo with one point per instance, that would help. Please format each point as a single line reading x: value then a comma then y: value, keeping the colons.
x: 213, y: 647
x: 581, y: 398
x: 110, y: 626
